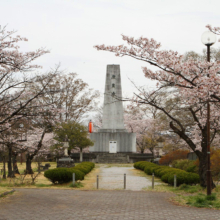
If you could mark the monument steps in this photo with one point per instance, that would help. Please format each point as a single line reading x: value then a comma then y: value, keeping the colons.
x: 112, y: 158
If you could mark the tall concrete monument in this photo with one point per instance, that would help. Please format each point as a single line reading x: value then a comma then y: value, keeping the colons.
x: 113, y: 137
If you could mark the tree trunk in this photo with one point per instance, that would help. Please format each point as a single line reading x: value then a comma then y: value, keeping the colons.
x: 203, y: 166
x: 10, y: 172
x: 152, y: 151
x: 4, y: 171
x: 202, y: 155
x: 14, y: 161
x: 81, y: 155
x: 29, y: 157
x: 28, y: 164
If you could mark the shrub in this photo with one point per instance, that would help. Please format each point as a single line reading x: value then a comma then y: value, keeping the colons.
x: 85, y: 167
x: 79, y: 175
x: 149, y: 168
x: 65, y: 175
x: 137, y: 164
x: 174, y: 155
x: 192, y: 169
x: 215, y: 162
x: 187, y: 165
x: 141, y: 164
x: 167, y: 173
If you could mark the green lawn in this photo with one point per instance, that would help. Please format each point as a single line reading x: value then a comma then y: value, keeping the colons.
x: 26, y: 180
x: 4, y: 189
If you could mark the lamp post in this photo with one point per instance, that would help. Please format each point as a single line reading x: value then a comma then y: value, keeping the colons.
x: 208, y: 39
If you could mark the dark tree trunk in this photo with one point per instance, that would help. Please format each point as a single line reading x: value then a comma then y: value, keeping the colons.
x: 29, y: 157
x: 203, y: 167
x: 28, y: 164
x: 4, y: 171
x: 202, y: 155
x: 15, y: 166
x: 152, y: 151
x: 10, y: 172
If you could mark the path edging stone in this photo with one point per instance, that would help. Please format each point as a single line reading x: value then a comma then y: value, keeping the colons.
x: 6, y: 193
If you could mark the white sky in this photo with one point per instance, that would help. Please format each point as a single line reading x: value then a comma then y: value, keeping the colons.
x: 70, y: 29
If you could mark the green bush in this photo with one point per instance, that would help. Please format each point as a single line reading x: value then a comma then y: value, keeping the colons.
x: 149, y: 168
x: 141, y: 164
x: 187, y: 165
x: 85, y: 167
x: 192, y: 169
x: 79, y: 175
x: 167, y: 173
x: 62, y: 175
x: 160, y: 172
x: 65, y: 175
x: 137, y: 165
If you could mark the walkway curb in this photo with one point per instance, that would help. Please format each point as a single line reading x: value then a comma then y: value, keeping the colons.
x: 6, y: 193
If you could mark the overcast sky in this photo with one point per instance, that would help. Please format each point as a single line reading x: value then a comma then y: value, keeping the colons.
x: 70, y: 29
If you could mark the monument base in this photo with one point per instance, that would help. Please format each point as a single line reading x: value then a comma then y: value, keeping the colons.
x: 66, y: 162
x: 113, y: 142
x: 121, y: 158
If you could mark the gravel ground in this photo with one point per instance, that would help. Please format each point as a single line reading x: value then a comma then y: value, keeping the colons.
x: 113, y: 178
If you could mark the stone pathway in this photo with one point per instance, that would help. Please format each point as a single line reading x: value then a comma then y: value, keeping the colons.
x: 53, y: 204
x: 133, y: 203
x: 113, y: 178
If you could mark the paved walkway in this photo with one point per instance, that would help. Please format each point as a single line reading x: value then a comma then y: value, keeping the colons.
x: 134, y: 204
x: 45, y: 204
x: 113, y: 178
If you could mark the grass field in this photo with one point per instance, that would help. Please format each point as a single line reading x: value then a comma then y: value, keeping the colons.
x: 4, y: 189
x: 41, y: 181
x: 26, y: 181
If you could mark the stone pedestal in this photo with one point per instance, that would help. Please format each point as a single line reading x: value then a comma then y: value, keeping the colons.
x: 66, y: 162
x: 113, y: 142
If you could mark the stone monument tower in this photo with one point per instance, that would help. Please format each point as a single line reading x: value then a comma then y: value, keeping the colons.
x: 113, y: 137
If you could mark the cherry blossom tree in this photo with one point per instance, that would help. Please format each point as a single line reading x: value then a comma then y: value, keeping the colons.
x: 37, y: 145
x: 192, y: 84
x: 136, y: 121
x: 37, y: 134
x: 15, y: 76
x: 72, y: 95
x: 19, y: 102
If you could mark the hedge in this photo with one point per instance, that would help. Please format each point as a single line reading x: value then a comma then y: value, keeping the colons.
x: 65, y: 175
x: 187, y: 165
x: 85, y: 167
x: 166, y: 174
